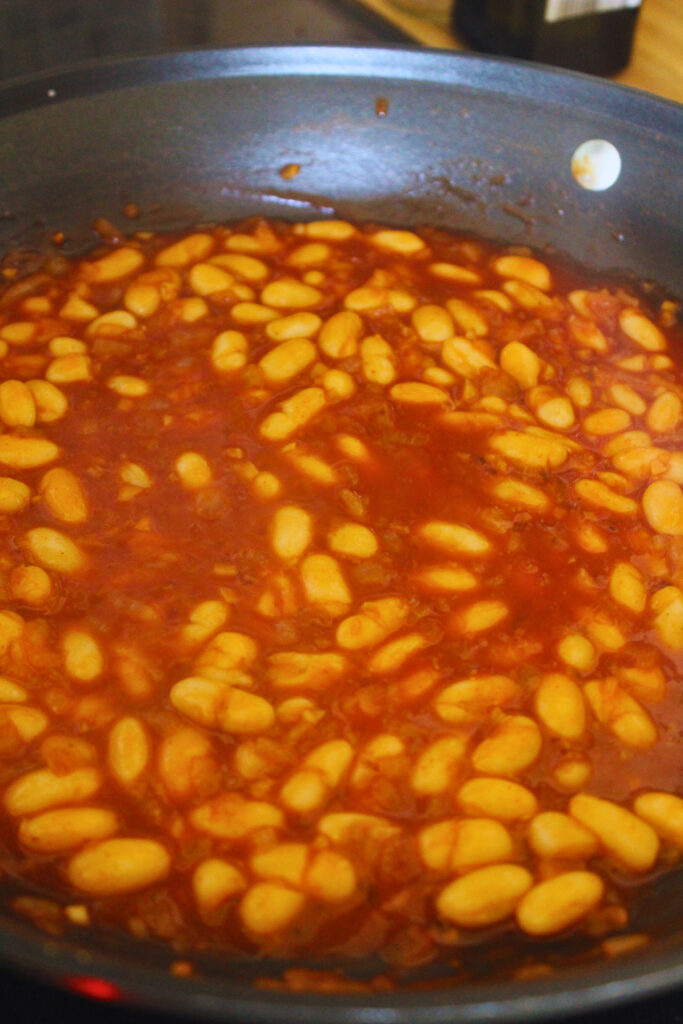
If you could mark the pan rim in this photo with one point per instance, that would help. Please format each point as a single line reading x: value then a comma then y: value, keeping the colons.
x: 151, y: 987
x: 513, y: 78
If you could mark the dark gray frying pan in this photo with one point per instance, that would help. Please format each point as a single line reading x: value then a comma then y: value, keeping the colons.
x: 468, y: 143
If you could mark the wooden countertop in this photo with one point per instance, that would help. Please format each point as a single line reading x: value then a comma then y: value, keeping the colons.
x: 656, y: 63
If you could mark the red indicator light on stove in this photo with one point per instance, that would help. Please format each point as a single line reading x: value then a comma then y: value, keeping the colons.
x: 94, y: 988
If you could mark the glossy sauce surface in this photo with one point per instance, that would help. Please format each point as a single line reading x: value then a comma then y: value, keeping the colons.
x: 342, y: 592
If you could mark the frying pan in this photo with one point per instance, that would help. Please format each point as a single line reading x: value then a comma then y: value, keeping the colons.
x: 467, y: 143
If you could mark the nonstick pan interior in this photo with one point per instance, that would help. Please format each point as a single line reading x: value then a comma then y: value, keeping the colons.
x: 465, y: 142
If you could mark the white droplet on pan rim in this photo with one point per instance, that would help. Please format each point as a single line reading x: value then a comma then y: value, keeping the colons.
x: 596, y: 165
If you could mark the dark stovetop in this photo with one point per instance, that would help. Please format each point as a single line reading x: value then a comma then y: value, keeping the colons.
x: 30, y: 1003
x: 37, y: 35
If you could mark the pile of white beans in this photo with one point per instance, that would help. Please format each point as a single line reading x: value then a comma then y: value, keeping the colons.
x: 264, y: 751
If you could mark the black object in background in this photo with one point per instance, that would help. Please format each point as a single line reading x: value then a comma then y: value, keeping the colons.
x: 587, y: 35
